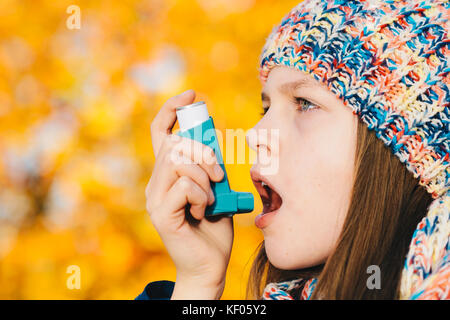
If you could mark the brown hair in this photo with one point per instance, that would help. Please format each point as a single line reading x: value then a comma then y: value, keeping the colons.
x: 387, y: 203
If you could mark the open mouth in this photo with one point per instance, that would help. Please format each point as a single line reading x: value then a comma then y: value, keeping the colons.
x: 269, y: 196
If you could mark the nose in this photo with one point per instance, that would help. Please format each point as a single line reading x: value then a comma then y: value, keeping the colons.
x: 258, y: 136
x: 264, y: 139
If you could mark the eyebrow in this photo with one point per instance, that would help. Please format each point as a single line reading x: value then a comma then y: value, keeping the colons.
x: 290, y: 86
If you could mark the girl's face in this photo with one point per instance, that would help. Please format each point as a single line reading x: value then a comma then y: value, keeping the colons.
x: 310, y: 185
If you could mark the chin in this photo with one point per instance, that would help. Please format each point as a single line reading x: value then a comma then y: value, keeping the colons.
x: 286, y: 260
x: 280, y: 258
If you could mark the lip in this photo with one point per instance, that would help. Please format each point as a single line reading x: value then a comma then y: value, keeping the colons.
x: 257, y: 178
x: 263, y: 219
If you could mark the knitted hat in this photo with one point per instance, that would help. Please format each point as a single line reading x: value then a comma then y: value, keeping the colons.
x: 389, y: 62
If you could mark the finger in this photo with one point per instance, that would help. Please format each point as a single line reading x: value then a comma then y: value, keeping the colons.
x: 185, y: 191
x: 164, y: 121
x: 174, y: 146
x: 176, y: 168
x: 201, y: 154
x: 197, y: 174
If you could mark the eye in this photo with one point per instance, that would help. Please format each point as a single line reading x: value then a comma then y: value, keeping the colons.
x: 304, y: 105
x: 265, y: 109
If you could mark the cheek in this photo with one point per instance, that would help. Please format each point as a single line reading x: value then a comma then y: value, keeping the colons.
x: 320, y: 156
x: 324, y: 171
x: 317, y: 166
x: 318, y: 171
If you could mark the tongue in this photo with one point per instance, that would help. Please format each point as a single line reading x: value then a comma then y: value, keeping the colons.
x: 273, y: 202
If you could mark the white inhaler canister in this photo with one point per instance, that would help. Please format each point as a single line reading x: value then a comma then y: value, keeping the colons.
x: 192, y: 115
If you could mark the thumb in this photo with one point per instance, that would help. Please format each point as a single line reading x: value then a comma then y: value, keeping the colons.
x: 165, y: 119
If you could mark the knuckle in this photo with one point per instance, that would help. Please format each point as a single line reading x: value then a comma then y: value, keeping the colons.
x: 156, y: 221
x: 208, y: 152
x: 169, y: 141
x: 166, y: 142
x: 172, y: 158
x: 156, y: 217
x: 178, y: 162
x: 211, y: 157
x: 171, y: 100
x: 168, y: 158
x: 184, y: 183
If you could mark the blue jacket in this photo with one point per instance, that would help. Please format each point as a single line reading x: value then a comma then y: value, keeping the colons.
x: 157, y: 290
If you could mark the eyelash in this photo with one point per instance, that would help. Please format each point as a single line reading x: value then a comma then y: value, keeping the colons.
x: 297, y: 100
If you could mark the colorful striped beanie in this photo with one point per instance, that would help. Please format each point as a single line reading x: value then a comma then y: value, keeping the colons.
x: 389, y: 62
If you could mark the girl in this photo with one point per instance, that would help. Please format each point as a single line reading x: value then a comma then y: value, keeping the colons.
x: 359, y: 93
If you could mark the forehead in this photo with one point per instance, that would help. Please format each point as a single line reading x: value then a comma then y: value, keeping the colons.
x: 286, y: 79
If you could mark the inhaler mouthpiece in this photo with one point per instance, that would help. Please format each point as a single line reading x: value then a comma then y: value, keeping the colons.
x: 192, y: 115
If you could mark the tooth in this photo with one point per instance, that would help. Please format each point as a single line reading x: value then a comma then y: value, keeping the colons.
x: 263, y: 183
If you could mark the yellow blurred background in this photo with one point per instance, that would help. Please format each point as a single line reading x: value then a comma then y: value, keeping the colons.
x: 75, y: 149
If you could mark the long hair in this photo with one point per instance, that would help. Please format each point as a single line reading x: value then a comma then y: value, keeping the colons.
x: 387, y: 203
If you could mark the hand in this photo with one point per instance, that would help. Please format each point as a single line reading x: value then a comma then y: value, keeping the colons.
x: 199, y: 246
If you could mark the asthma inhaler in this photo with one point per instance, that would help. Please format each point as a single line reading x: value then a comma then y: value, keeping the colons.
x: 195, y: 123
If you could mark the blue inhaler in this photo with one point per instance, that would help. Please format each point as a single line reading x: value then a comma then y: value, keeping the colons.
x: 195, y: 123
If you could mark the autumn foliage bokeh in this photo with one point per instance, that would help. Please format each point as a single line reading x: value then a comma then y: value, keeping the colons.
x: 75, y: 149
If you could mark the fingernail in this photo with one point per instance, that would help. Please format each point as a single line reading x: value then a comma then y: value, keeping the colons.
x: 182, y: 94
